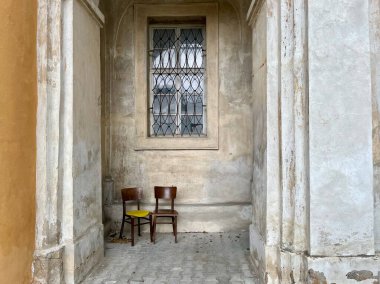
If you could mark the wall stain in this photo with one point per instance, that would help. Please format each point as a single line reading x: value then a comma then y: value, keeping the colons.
x: 316, y: 277
x: 360, y: 275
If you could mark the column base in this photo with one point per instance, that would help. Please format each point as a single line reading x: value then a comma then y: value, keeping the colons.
x: 48, y: 266
x: 281, y: 266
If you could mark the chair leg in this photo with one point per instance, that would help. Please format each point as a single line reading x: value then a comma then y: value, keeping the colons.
x: 154, y: 229
x: 138, y: 227
x: 150, y: 228
x: 175, y: 228
x: 122, y: 228
x: 173, y: 225
x: 133, y: 231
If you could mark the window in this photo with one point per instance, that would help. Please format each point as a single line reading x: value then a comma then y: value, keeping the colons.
x: 177, y: 81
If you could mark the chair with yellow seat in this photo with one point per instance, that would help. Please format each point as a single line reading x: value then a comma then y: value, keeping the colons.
x: 134, y: 194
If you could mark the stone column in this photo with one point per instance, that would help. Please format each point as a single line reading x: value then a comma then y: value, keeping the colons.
x: 294, y: 140
x: 283, y: 226
x: 48, y: 265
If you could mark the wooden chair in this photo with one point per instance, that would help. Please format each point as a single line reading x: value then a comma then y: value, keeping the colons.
x: 168, y: 193
x: 134, y: 194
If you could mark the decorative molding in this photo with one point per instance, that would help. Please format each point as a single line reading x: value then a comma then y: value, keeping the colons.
x: 94, y: 11
x: 254, y: 10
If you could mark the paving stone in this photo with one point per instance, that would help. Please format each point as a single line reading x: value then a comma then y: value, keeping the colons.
x: 197, y: 258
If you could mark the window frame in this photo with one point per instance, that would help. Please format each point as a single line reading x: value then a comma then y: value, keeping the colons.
x: 144, y: 12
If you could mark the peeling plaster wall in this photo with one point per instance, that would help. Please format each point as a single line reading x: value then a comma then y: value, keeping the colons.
x: 364, y: 270
x: 301, y: 244
x: 87, y: 215
x: 216, y: 182
x: 69, y: 230
x: 374, y: 9
x: 259, y: 186
x: 18, y: 88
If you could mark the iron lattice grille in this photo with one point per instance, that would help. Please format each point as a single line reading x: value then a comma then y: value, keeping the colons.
x: 177, y: 81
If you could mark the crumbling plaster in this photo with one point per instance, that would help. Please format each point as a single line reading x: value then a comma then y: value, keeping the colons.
x: 209, y: 180
x: 69, y: 230
x: 297, y: 55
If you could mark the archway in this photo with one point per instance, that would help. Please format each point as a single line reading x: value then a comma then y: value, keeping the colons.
x: 286, y: 204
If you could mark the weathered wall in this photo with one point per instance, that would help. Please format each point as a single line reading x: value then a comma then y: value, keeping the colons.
x: 374, y: 9
x: 87, y: 199
x: 259, y: 185
x: 18, y: 85
x: 340, y: 129
x: 311, y: 226
x: 69, y: 230
x: 214, y: 183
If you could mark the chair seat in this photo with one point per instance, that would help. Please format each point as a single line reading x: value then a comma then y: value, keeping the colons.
x: 165, y: 212
x: 138, y: 213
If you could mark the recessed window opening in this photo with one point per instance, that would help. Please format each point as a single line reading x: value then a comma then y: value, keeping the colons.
x: 177, y: 75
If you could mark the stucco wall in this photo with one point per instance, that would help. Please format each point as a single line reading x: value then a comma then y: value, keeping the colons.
x: 340, y: 130
x: 259, y: 186
x: 87, y: 218
x: 17, y: 139
x: 213, y: 183
x: 375, y: 79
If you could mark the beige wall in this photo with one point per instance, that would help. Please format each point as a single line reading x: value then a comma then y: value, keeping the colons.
x: 259, y: 187
x: 17, y: 139
x: 87, y: 200
x: 213, y: 185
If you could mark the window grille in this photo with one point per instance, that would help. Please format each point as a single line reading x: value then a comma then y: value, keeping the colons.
x: 177, y: 81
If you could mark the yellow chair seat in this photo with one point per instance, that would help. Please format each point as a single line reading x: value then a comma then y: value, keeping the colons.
x: 138, y: 213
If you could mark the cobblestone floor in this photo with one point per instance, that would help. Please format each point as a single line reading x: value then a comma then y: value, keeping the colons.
x: 196, y: 258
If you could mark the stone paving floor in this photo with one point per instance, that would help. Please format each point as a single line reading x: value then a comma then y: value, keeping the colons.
x: 196, y: 258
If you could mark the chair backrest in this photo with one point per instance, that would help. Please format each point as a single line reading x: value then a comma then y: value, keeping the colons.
x: 132, y: 194
x: 165, y: 192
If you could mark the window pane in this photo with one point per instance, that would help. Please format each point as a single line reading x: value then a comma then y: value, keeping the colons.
x: 161, y: 104
x: 192, y: 105
x: 192, y: 124
x: 193, y: 83
x: 164, y: 54
x: 191, y: 48
x: 164, y: 125
x: 163, y: 84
